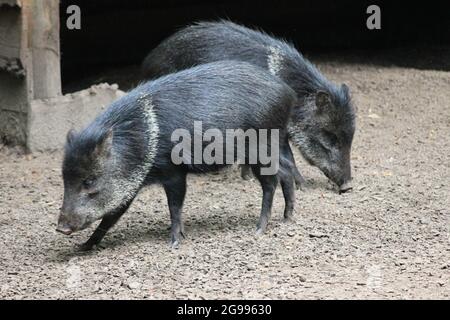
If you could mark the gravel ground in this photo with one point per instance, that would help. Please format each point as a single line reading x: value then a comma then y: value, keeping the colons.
x: 389, y: 238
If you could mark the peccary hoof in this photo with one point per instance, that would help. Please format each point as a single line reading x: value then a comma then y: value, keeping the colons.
x: 175, y: 244
x: 176, y: 240
x: 260, y: 231
x: 85, y: 247
x: 300, y: 184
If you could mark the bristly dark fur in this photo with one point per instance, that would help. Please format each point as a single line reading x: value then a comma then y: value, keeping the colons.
x: 230, y: 40
x: 298, y: 72
x: 125, y: 119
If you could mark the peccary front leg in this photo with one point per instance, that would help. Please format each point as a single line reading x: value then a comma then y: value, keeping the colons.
x: 298, y: 178
x: 107, y: 223
x: 287, y: 185
x: 269, y: 185
x: 287, y: 182
x: 175, y: 187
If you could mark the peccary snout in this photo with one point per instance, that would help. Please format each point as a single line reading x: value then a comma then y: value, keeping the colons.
x: 346, y: 185
x: 63, y: 227
x: 69, y: 222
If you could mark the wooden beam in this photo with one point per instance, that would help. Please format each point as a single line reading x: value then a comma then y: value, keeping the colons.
x: 11, y: 3
x: 45, y: 49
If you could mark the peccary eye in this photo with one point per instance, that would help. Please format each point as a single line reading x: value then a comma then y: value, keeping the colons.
x: 88, y: 183
x: 93, y: 193
x: 331, y: 137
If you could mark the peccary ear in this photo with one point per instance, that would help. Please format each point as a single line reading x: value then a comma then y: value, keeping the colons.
x: 345, y: 89
x: 70, y: 135
x: 323, y: 100
x: 103, y: 147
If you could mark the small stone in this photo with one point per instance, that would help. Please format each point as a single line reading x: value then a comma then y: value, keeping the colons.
x: 250, y: 267
x: 134, y: 285
x: 318, y: 235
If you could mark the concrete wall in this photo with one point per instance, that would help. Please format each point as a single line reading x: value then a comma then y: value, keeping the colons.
x: 11, y: 40
x: 50, y: 119
x: 44, y: 46
x: 13, y: 109
x: 13, y: 82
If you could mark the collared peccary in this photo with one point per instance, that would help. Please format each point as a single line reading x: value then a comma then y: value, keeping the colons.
x: 130, y: 145
x: 322, y: 124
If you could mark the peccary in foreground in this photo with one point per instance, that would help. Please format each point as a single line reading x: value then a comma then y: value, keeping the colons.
x: 323, y: 122
x: 131, y: 144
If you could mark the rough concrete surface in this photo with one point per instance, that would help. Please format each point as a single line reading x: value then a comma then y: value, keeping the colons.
x: 13, y: 109
x: 389, y: 238
x: 50, y: 119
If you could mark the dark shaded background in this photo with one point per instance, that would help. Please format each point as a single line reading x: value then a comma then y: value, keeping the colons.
x: 117, y: 34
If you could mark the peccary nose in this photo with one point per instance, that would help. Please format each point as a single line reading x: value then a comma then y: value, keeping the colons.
x: 64, y: 229
x: 345, y: 187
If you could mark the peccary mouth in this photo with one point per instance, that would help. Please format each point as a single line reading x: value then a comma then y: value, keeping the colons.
x: 345, y: 187
x: 64, y: 230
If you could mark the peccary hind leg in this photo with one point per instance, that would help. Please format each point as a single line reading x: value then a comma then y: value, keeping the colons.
x: 175, y: 187
x: 107, y: 223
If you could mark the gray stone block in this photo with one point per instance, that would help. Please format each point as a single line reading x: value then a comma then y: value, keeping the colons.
x: 50, y: 119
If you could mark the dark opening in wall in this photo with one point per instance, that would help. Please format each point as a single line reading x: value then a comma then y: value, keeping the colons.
x: 116, y: 35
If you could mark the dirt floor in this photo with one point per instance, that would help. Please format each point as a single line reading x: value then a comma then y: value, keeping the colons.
x: 389, y: 238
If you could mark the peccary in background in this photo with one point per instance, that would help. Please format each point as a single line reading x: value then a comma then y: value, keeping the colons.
x: 130, y: 146
x: 323, y: 122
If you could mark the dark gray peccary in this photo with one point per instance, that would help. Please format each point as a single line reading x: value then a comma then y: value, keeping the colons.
x: 322, y: 124
x: 129, y: 146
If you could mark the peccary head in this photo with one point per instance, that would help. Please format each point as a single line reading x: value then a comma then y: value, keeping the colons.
x: 323, y: 128
x: 96, y: 179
